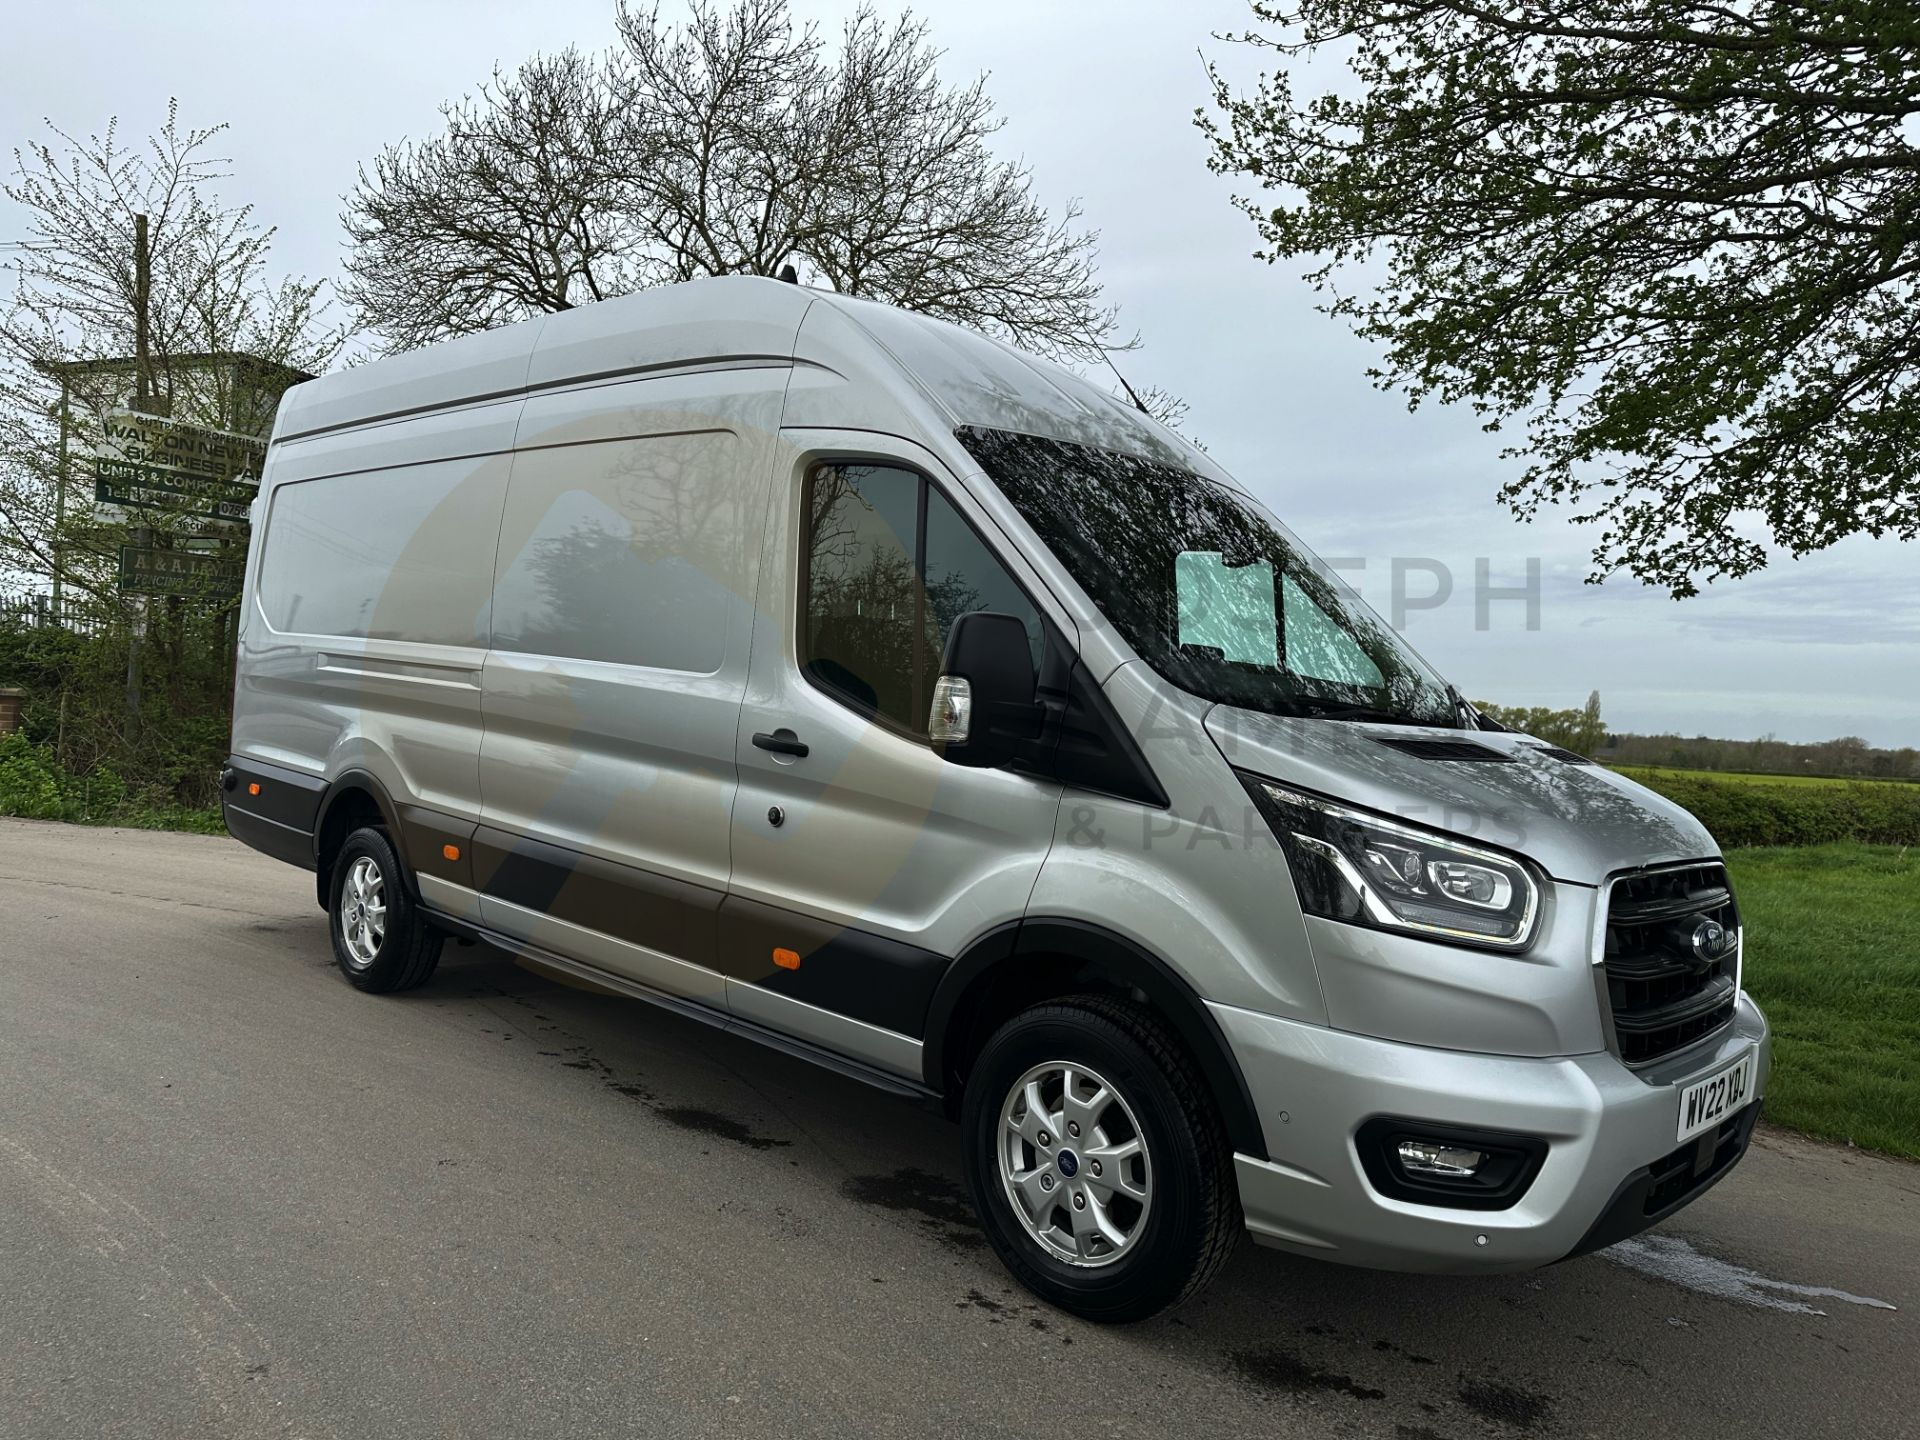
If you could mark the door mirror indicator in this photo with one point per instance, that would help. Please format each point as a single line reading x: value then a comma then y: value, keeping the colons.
x: 983, y: 703
x: 951, y: 719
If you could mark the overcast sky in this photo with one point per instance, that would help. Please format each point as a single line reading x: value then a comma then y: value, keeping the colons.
x: 1099, y: 97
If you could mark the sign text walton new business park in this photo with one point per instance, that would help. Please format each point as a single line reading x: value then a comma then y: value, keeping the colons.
x: 202, y: 476
x: 149, y: 462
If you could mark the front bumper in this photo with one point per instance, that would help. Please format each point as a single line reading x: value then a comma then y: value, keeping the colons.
x: 1609, y: 1133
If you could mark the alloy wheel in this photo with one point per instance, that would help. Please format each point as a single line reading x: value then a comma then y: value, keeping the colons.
x: 1073, y: 1162
x: 363, y: 912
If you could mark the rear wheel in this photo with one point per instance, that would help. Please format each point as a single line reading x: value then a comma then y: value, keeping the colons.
x: 382, y: 941
x: 1097, y: 1161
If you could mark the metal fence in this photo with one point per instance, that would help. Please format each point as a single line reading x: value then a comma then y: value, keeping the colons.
x: 37, y: 610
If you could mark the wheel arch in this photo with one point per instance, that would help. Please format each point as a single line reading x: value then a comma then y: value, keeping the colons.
x: 354, y: 798
x: 1029, y: 961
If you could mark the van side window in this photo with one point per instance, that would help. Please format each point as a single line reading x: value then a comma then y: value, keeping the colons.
x: 382, y: 555
x: 889, y: 565
x: 962, y: 576
x: 623, y: 552
x: 858, y: 630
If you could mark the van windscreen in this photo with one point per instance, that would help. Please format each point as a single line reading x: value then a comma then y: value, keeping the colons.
x: 1210, y: 590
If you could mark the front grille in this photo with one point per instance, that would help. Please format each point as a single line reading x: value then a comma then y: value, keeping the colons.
x: 1664, y: 993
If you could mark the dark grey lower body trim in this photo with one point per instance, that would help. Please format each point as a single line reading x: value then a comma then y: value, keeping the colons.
x: 280, y: 819
x: 427, y: 835
x: 271, y: 837
x: 848, y: 972
x: 855, y: 973
x: 673, y: 917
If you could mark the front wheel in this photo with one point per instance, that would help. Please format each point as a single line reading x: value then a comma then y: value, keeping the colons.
x: 1097, y: 1161
x: 381, y: 940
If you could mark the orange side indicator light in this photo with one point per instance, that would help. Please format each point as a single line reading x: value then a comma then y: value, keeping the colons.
x: 787, y: 959
x: 253, y: 789
x: 452, y: 852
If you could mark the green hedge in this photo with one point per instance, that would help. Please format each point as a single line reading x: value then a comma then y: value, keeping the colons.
x: 104, y: 765
x: 34, y: 786
x: 1752, y: 812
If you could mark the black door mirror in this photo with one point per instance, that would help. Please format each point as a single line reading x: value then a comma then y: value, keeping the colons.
x: 983, y: 704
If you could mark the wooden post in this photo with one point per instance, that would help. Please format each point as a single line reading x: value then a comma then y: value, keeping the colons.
x: 142, y: 341
x: 141, y: 538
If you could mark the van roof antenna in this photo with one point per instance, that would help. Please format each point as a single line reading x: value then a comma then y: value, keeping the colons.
x: 789, y: 274
x: 1138, y: 403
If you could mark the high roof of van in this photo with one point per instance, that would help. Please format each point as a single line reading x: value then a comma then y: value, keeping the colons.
x: 924, y: 364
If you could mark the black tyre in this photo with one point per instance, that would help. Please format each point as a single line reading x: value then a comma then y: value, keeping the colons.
x: 1097, y: 1160
x: 381, y: 939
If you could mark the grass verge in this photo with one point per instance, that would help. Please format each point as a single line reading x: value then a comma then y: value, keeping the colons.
x: 1833, y: 957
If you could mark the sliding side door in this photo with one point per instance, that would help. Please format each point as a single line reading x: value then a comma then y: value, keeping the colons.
x: 622, y: 616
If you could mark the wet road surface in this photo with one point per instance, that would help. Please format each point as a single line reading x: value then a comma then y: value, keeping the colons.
x: 238, y: 1198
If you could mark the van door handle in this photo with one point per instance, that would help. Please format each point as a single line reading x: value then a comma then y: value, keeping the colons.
x: 781, y: 742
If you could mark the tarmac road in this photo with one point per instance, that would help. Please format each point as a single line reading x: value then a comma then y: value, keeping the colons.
x: 239, y: 1198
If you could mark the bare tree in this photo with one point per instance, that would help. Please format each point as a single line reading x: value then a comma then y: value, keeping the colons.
x: 1160, y: 403
x: 731, y: 130
x: 735, y: 143
x: 75, y: 297
x: 518, y: 208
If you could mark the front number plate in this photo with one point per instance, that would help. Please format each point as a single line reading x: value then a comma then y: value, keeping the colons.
x: 1705, y: 1103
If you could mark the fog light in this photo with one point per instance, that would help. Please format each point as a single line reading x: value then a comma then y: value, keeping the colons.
x: 1425, y: 1157
x: 1432, y: 1163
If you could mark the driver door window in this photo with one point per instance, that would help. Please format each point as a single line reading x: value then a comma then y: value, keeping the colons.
x: 888, y: 565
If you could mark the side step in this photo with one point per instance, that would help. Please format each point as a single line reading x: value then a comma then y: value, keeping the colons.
x: 691, y: 1010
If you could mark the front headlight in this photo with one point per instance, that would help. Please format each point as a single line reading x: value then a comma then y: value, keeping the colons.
x: 1365, y: 869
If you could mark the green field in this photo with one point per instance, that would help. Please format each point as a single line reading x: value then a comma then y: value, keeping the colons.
x: 1833, y: 957
x: 1743, y: 777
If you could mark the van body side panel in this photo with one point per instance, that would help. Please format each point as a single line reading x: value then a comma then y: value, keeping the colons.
x: 1200, y: 884
x: 473, y: 428
x: 623, y: 597
x: 716, y: 321
x: 364, y: 627
x: 472, y: 369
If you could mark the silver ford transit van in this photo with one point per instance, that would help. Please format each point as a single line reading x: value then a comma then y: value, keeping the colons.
x: 864, y: 686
